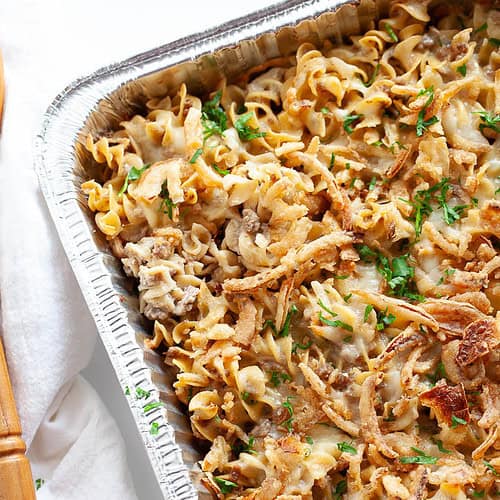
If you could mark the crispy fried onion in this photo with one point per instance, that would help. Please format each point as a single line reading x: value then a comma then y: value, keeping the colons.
x: 370, y: 429
x: 447, y: 401
x: 480, y: 337
x: 318, y: 250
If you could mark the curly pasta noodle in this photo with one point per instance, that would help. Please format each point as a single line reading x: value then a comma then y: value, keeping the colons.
x: 319, y: 249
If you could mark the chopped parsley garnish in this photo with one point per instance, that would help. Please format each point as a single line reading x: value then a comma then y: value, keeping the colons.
x: 245, y: 131
x: 483, y: 27
x: 167, y: 205
x: 213, y: 117
x: 269, y: 323
x: 285, y: 330
x: 220, y: 171
x: 422, y: 123
x: 491, y: 468
x: 353, y: 181
x: 489, y: 120
x: 347, y: 297
x: 309, y: 440
x: 340, y: 276
x: 243, y: 447
x: 398, y: 274
x: 348, y: 166
x: 332, y: 161
x: 39, y: 483
x: 384, y: 319
x: 225, y: 485
x: 392, y: 147
x: 329, y: 311
x: 450, y: 272
x: 141, y: 393
x: 245, y: 395
x: 368, y: 310
x: 349, y: 120
x: 346, y: 448
x: 277, y: 378
x: 133, y: 175
x: 371, y: 186
x: 347, y: 339
x: 340, y: 489
x: 462, y: 69
x: 127, y: 390
x: 155, y: 428
x: 151, y: 406
x: 439, y: 444
x: 288, y: 422
x: 325, y: 110
x: 495, y: 42
x: 378, y: 143
x: 478, y: 494
x: 369, y: 83
x: 303, y: 347
x: 391, y: 33
x: 421, y: 458
x: 336, y: 323
x: 455, y: 421
x: 423, y: 208
x: 438, y: 374
x: 196, y: 155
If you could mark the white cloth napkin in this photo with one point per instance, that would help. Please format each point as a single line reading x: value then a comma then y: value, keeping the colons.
x: 48, y: 333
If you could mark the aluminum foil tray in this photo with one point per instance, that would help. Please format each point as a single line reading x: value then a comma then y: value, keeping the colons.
x: 96, y: 104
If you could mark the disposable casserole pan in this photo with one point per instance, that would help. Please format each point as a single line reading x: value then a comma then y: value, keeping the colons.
x: 97, y: 103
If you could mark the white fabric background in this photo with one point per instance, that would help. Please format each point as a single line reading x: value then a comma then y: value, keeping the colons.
x: 49, y: 336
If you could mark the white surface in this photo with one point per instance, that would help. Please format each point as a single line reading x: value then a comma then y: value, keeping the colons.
x: 48, y: 333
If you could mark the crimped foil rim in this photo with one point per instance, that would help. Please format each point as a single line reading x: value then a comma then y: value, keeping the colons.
x: 55, y: 145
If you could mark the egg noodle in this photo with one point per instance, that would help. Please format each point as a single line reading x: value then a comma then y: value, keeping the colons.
x: 318, y: 246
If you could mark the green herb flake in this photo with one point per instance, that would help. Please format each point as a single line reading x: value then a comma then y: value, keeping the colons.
x: 384, y: 319
x: 353, y: 181
x: 349, y: 120
x: 309, y: 440
x: 141, y: 393
x: 325, y: 110
x: 391, y: 32
x: 462, y: 69
x: 269, y: 323
x: 483, y: 27
x: 421, y: 458
x: 243, y: 447
x: 340, y: 489
x: 127, y: 390
x: 491, y: 468
x: 220, y: 171
x: 478, y: 494
x: 347, y: 339
x: 167, y: 205
x: 288, y: 422
x: 401, y: 146
x: 134, y: 174
x: 348, y: 167
x: 285, y: 330
x: 245, y: 131
x: 450, y: 272
x: 39, y: 483
x: 151, y: 406
x: 455, y: 421
x: 489, y: 120
x: 329, y: 311
x: 438, y: 374
x: 495, y: 42
x: 155, y: 429
x: 224, y: 485
x: 336, y: 323
x: 346, y: 448
x: 369, y: 83
x: 341, y: 276
x: 303, y: 347
x: 245, y: 395
x: 196, y: 155
x: 277, y: 378
x: 422, y: 124
x: 347, y: 297
x: 440, y: 446
x: 371, y: 186
x: 213, y: 117
x: 332, y: 161
x: 368, y: 310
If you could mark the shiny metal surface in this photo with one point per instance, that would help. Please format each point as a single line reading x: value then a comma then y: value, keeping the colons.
x: 98, y: 103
